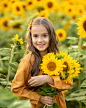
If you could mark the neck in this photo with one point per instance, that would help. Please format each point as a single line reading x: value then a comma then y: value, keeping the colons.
x: 43, y: 53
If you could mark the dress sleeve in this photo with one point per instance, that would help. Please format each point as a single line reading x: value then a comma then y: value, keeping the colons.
x: 19, y: 82
x: 61, y: 84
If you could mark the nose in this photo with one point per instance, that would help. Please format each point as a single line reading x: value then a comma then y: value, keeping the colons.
x: 40, y: 39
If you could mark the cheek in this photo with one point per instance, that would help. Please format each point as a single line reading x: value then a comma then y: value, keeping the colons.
x: 47, y: 41
x: 33, y: 40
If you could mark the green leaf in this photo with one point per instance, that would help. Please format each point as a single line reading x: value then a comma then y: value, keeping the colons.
x: 5, y: 58
x: 42, y: 93
x: 9, y: 100
x: 55, y: 105
x: 5, y: 51
x: 77, y: 95
x: 20, y: 104
x: 4, y: 69
x: 83, y: 84
x: 13, y: 65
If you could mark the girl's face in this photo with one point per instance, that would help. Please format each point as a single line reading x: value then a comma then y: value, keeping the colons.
x: 40, y: 38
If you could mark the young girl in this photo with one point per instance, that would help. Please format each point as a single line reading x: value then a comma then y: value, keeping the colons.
x: 41, y: 39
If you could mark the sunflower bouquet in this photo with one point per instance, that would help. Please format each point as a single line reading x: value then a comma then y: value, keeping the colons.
x: 60, y: 64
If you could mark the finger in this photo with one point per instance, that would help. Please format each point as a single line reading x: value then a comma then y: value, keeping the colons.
x: 50, y: 98
x: 31, y: 80
x: 34, y: 84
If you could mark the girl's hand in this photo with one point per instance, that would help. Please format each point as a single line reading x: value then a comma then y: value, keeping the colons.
x: 40, y: 80
x: 47, y: 100
x: 37, y: 80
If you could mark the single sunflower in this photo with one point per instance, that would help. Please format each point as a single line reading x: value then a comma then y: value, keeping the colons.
x: 30, y: 4
x: 6, y: 6
x: 61, y: 34
x: 50, y: 65
x: 4, y: 23
x: 82, y: 26
x: 50, y: 5
x: 69, y: 10
x: 17, y: 9
x: 44, y: 13
x: 80, y: 10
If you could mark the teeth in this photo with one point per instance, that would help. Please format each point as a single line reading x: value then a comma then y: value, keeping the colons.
x: 41, y: 45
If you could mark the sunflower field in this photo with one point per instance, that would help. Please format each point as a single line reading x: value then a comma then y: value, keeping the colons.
x: 69, y: 20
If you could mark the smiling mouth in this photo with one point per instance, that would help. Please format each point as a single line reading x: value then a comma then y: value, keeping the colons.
x: 40, y: 45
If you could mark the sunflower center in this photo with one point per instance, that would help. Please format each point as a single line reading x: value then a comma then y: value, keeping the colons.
x: 38, y: 0
x: 5, y: 23
x: 29, y: 3
x: 60, y: 34
x: 70, y: 10
x: 65, y: 68
x: 51, y: 66
x: 84, y: 25
x: 17, y: 26
x: 5, y: 5
x: 50, y: 4
x: 74, y: 17
x: 18, y: 9
x: 80, y: 11
x: 43, y: 16
x: 40, y: 9
x: 13, y: 1
x: 24, y: 6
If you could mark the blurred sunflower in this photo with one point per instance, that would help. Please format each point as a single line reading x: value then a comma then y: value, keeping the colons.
x: 44, y: 13
x: 61, y: 34
x: 4, y: 23
x: 17, y: 8
x: 16, y: 25
x: 74, y: 17
x: 50, y: 5
x: 19, y: 42
x: 30, y: 4
x: 80, y: 10
x: 23, y: 3
x: 69, y: 10
x: 50, y: 65
x: 13, y: 1
x: 39, y: 8
x: 67, y: 25
x: 5, y: 6
x: 82, y: 26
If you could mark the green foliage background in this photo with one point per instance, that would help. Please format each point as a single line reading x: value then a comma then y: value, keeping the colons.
x: 73, y: 44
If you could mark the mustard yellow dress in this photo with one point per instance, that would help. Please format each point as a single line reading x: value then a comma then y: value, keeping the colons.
x: 20, y: 81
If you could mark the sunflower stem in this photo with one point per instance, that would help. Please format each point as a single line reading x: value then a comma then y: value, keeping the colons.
x: 9, y: 68
x: 79, y: 81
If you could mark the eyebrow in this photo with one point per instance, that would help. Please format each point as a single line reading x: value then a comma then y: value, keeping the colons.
x: 42, y: 33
